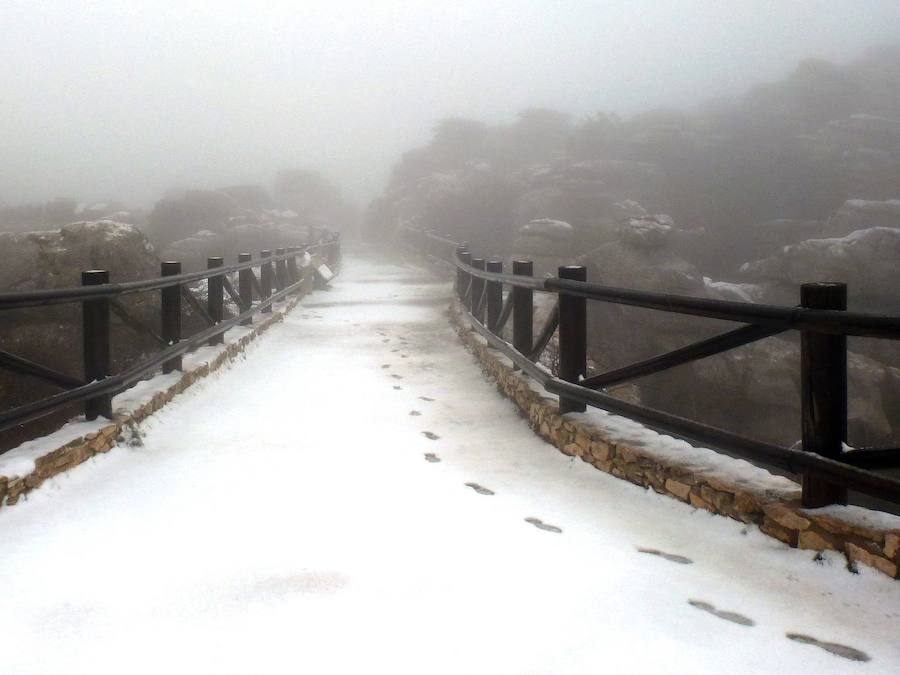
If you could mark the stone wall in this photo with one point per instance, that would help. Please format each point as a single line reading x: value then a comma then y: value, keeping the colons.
x: 125, y: 423
x: 863, y: 536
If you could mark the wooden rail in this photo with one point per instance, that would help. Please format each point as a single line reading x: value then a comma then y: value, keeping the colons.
x: 99, y: 298
x: 826, y: 471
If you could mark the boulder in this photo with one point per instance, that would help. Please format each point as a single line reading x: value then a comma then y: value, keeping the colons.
x: 752, y: 390
x: 868, y: 261
x: 647, y: 232
x: 860, y: 214
x: 239, y: 237
x: 769, y: 236
x: 592, y: 196
x: 547, y: 243
x: 755, y: 391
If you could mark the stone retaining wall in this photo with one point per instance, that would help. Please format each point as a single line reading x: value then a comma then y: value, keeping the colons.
x: 125, y: 422
x: 863, y: 536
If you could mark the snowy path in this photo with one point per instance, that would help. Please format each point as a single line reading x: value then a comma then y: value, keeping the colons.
x: 307, y: 511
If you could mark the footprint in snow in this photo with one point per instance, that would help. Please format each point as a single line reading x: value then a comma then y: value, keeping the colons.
x: 397, y: 387
x: 385, y: 365
x: 397, y: 377
x: 831, y: 647
x: 414, y: 413
x: 671, y: 557
x: 430, y: 435
x: 431, y: 457
x: 404, y: 356
x: 734, y: 617
x: 480, y: 489
x: 541, y: 525
x: 386, y: 340
x: 425, y: 398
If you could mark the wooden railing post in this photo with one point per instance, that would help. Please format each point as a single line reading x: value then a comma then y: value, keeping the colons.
x: 460, y: 275
x: 494, y: 296
x: 823, y: 393
x: 292, y: 270
x: 523, y: 309
x: 476, y: 307
x: 170, y: 306
x: 245, y: 286
x: 280, y: 271
x: 465, y: 291
x: 572, y: 336
x: 265, y: 279
x: 95, y: 337
x: 215, y: 299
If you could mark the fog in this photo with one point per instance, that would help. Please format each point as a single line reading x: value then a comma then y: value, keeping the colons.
x: 108, y: 100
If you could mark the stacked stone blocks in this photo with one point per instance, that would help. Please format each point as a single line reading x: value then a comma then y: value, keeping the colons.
x: 777, y: 513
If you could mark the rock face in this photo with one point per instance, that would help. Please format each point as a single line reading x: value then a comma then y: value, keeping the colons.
x: 240, y: 237
x: 592, y: 196
x: 56, y: 258
x: 773, y: 235
x: 868, y: 261
x: 52, y: 335
x: 860, y: 214
x: 753, y: 390
x: 548, y: 243
x: 639, y: 259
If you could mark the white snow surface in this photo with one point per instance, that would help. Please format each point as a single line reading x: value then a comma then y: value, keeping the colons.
x: 280, y: 517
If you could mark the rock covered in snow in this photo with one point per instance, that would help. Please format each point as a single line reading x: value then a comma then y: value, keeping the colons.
x: 55, y: 258
x: 547, y: 228
x: 546, y: 242
x: 726, y: 290
x: 241, y: 237
x: 859, y: 214
x: 868, y: 261
x: 647, y: 232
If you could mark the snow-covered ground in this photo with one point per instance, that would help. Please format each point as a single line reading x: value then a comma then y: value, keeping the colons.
x: 354, y: 497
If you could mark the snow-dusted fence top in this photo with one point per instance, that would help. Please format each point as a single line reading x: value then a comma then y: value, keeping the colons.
x: 826, y: 469
x: 279, y: 276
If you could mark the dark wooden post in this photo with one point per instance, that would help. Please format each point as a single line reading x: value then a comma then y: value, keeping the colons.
x: 494, y: 296
x: 477, y: 291
x: 823, y: 395
x: 466, y: 292
x: 95, y: 343
x: 523, y: 309
x: 265, y: 278
x: 245, y: 286
x: 215, y: 299
x: 280, y: 271
x: 572, y: 336
x: 293, y: 272
x: 460, y: 275
x: 170, y: 303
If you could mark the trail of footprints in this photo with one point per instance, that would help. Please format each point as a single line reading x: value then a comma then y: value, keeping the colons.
x: 837, y: 649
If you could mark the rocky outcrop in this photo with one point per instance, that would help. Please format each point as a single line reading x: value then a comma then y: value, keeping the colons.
x: 861, y: 214
x: 547, y: 243
x: 868, y: 261
x: 753, y: 390
x: 592, y: 196
x: 238, y: 237
x: 765, y: 238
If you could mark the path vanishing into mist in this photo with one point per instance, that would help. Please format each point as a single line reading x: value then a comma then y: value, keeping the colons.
x: 356, y: 497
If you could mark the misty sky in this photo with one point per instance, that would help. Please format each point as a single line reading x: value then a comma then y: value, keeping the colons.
x: 115, y: 99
